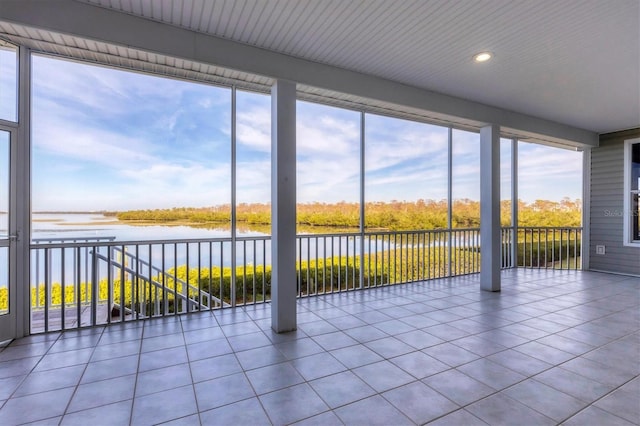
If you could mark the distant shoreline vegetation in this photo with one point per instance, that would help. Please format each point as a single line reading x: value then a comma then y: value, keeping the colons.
x: 102, y: 212
x: 393, y: 216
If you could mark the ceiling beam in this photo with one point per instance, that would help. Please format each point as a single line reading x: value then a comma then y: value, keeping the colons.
x: 110, y: 26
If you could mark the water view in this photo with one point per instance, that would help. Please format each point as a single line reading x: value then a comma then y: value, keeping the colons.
x: 52, y: 226
x: 414, y: 189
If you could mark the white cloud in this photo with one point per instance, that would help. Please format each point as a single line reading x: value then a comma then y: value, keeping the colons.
x: 253, y: 182
x: 253, y: 129
x: 90, y: 116
x: 328, y: 154
x: 87, y: 85
x: 171, y: 185
x: 396, y: 145
x: 8, y: 84
x: 548, y: 173
x: 326, y: 135
x: 81, y: 143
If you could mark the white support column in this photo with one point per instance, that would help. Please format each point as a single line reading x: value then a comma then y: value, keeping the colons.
x: 514, y: 203
x: 490, y: 208
x: 234, y: 174
x: 585, y: 243
x: 449, y: 198
x: 362, y: 197
x: 283, y: 206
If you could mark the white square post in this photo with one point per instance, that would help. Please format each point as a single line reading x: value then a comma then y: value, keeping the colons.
x: 283, y: 206
x: 490, y: 231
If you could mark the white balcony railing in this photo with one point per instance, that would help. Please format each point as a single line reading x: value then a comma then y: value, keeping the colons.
x: 86, y: 282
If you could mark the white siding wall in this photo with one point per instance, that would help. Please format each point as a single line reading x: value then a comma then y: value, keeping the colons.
x: 606, y: 208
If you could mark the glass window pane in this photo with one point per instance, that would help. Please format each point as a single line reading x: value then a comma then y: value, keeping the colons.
x: 635, y: 218
x: 4, y: 221
x: 635, y: 167
x: 108, y: 140
x: 466, y: 179
x: 4, y: 183
x: 4, y: 280
x: 8, y: 83
x: 506, y: 179
x: 328, y: 168
x: 549, y: 186
x: 253, y: 162
x: 405, y: 174
x: 635, y: 188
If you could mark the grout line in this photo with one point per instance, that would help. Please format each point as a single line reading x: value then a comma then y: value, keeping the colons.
x: 592, y: 403
x: 86, y: 366
x: 401, y: 297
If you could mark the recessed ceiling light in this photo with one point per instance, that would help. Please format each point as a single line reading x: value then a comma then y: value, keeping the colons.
x: 483, y: 56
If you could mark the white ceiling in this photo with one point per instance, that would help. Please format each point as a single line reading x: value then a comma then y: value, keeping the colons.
x: 576, y: 62
x: 563, y: 69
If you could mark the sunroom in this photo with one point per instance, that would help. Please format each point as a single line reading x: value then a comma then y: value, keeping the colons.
x: 334, y: 109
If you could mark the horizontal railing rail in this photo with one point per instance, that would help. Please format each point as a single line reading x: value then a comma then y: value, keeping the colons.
x: 77, y: 282
x: 85, y: 239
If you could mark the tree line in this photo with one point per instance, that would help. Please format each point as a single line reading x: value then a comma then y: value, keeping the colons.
x: 392, y: 216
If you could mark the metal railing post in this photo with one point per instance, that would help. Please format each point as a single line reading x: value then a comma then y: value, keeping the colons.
x: 394, y: 254
x: 94, y: 285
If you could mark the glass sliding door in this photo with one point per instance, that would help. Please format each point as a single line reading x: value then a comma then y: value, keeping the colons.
x: 7, y: 239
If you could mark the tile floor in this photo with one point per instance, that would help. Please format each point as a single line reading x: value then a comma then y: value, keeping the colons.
x: 553, y: 347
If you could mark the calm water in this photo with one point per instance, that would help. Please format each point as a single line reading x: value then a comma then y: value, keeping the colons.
x: 164, y: 256
x: 78, y: 225
x: 56, y: 226
x: 50, y: 226
x: 53, y: 226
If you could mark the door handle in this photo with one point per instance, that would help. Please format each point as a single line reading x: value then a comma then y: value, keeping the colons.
x: 14, y: 237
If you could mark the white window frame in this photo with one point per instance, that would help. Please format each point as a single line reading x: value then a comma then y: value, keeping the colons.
x: 627, y: 238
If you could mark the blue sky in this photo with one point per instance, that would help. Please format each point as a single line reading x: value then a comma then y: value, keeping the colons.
x: 8, y: 104
x: 106, y: 139
x: 8, y: 87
